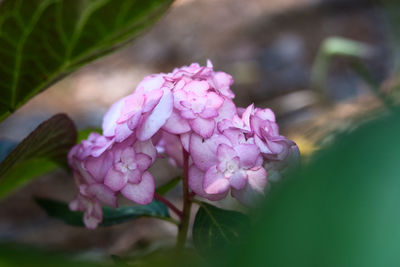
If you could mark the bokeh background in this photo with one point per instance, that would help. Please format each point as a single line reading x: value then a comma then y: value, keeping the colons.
x: 271, y: 47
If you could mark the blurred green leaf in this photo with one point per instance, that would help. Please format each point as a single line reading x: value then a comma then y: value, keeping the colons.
x: 214, y: 228
x: 341, y: 210
x: 43, y: 150
x: 41, y: 41
x: 334, y: 47
x: 13, y: 255
x: 84, y: 134
x: 163, y: 189
x: 111, y: 216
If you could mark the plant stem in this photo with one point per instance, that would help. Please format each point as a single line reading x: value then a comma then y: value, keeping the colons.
x: 184, y: 225
x: 168, y: 204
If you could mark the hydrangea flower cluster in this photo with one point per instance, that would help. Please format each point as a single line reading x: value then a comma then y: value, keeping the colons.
x: 190, y: 109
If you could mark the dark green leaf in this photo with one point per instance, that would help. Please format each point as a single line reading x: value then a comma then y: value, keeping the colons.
x: 13, y: 255
x: 41, y: 41
x: 111, y: 216
x: 43, y: 150
x: 162, y: 190
x: 215, y: 228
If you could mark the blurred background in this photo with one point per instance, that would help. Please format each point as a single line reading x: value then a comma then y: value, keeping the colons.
x: 321, y: 65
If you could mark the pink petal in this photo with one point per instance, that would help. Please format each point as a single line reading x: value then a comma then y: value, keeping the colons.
x: 83, y: 174
x: 198, y: 87
x: 115, y: 180
x: 238, y: 179
x: 127, y: 155
x: 203, y: 152
x: 110, y: 118
x: 215, y: 182
x: 92, y: 218
x: 133, y: 105
x: 91, y: 222
x: 176, y: 124
x: 265, y: 114
x: 134, y: 121
x: 157, y: 118
x: 254, y: 189
x: 173, y: 148
x: 261, y: 145
x: 225, y: 152
x: 98, y: 167
x: 256, y: 124
x: 146, y: 147
x: 143, y: 161
x: 196, y: 177
x: 222, y: 83
x: 152, y: 99
x: 141, y: 193
x: 150, y: 83
x: 203, y: 127
x: 227, y: 110
x: 134, y: 176
x: 248, y: 154
x: 104, y: 194
x: 75, y: 204
x: 185, y: 140
x: 246, y: 114
x: 179, y: 96
x: 214, y: 100
x: 209, y: 113
x: 122, y: 132
x: 188, y: 114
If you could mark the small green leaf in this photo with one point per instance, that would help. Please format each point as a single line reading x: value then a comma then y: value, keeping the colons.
x: 335, y: 47
x: 41, y: 41
x: 111, y: 216
x: 43, y: 150
x: 214, y: 228
x: 162, y: 190
x: 84, y: 134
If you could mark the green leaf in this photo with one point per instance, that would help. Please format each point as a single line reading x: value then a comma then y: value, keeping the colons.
x: 162, y: 190
x: 111, y: 216
x: 214, y: 228
x: 17, y: 255
x: 343, y: 209
x: 41, y: 41
x: 335, y: 47
x: 43, y: 150
x: 84, y: 134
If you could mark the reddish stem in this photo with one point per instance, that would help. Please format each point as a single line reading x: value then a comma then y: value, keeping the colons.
x: 184, y: 225
x: 168, y: 204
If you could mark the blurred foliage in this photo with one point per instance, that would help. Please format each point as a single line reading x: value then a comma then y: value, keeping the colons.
x: 111, y: 216
x: 45, y: 149
x: 333, y: 47
x: 165, y: 188
x: 341, y: 210
x: 84, y: 133
x: 214, y: 228
x: 41, y: 41
x: 12, y: 255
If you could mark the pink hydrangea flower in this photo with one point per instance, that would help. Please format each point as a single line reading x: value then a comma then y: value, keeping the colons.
x: 189, y: 109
